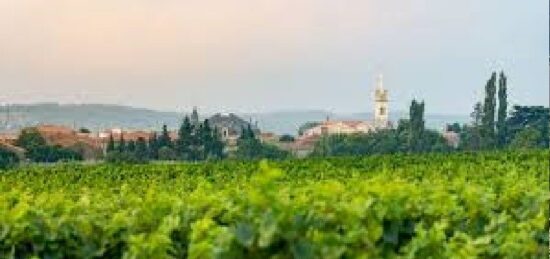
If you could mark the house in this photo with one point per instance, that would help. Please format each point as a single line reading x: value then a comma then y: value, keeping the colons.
x: 269, y: 138
x: 230, y: 126
x: 19, y: 152
x: 340, y: 127
x: 306, y: 141
x: 8, y: 138
x: 452, y: 138
x: 304, y: 145
x: 127, y: 135
x: 56, y: 135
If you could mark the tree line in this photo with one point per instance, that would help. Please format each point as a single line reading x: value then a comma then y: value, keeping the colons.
x: 38, y: 150
x: 194, y: 142
x: 492, y: 127
x: 410, y: 136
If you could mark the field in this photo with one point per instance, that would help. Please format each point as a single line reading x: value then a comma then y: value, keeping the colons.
x: 485, y: 205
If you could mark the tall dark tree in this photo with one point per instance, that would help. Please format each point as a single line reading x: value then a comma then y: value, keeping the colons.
x: 183, y: 143
x: 206, y: 139
x: 110, y: 144
x: 131, y: 146
x: 470, y: 136
x: 121, y: 144
x: 247, y: 133
x: 502, y: 130
x: 196, y: 148
x: 153, y: 146
x: 164, y: 139
x: 416, y: 126
x: 141, y: 150
x: 489, y: 109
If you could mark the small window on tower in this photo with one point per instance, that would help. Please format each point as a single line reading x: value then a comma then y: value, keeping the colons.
x: 382, y: 111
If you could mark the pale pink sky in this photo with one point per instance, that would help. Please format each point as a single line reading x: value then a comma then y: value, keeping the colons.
x: 270, y: 55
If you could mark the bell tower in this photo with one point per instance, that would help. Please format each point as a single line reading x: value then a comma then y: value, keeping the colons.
x: 381, y: 110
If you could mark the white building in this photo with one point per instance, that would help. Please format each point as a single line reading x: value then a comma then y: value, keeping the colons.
x: 340, y: 127
x: 381, y: 118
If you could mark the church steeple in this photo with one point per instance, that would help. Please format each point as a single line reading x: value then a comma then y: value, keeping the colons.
x: 380, y: 82
x: 381, y: 110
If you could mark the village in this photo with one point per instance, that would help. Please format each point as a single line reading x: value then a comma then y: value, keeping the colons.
x: 93, y: 145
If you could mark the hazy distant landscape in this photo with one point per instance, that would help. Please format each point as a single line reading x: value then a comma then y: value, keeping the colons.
x: 274, y: 129
x: 102, y: 116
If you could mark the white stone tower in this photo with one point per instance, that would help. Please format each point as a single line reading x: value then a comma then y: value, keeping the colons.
x: 381, y: 110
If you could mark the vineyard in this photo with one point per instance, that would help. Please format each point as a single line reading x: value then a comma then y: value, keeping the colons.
x: 484, y: 205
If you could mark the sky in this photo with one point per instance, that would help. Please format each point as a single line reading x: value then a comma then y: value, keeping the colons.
x: 260, y: 55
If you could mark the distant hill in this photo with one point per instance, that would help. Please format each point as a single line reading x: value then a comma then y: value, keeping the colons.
x: 92, y: 116
x: 101, y: 116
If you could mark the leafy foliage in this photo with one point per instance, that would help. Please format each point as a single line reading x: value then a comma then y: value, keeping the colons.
x: 8, y: 158
x: 29, y: 139
x: 52, y: 154
x: 388, y: 141
x: 37, y: 150
x: 287, y: 138
x: 250, y: 148
x: 483, y: 205
x: 116, y: 157
x: 536, y: 117
x: 527, y: 138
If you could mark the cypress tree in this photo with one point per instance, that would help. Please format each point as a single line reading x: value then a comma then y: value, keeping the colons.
x: 471, y: 136
x: 110, y: 144
x: 489, y: 109
x: 206, y: 139
x: 416, y: 125
x: 195, y: 144
x: 164, y: 139
x: 141, y: 149
x: 131, y: 146
x: 250, y: 132
x: 185, y: 134
x: 121, y: 144
x: 153, y: 146
x: 243, y: 135
x: 502, y: 131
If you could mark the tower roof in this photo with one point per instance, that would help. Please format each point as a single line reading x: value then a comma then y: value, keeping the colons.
x: 380, y: 82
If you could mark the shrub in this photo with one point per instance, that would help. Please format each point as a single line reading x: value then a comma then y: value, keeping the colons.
x: 116, y: 157
x: 8, y: 158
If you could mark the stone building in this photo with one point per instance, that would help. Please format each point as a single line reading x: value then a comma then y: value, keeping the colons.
x: 306, y: 141
x: 230, y: 126
x: 381, y: 107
